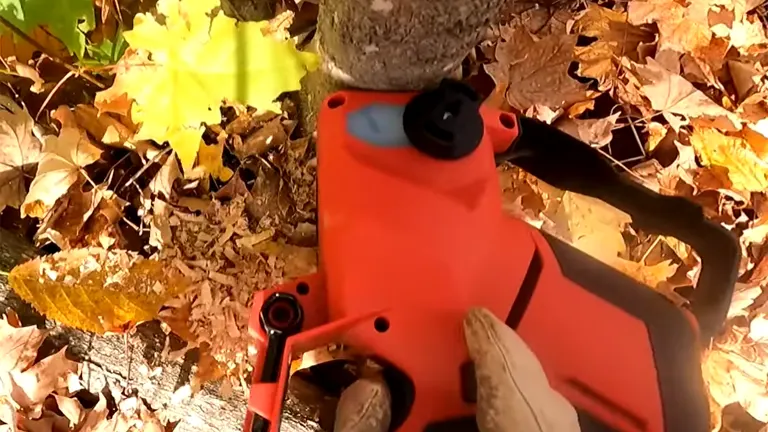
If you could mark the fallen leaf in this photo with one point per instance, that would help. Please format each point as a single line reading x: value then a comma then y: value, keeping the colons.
x: 208, y: 72
x: 595, y: 132
x: 94, y: 419
x: 59, y: 168
x: 743, y: 297
x: 71, y: 409
x: 11, y: 45
x: 210, y: 162
x: 745, y: 77
x: 96, y: 290
x: 271, y: 134
x: 615, y: 38
x: 651, y: 275
x: 682, y: 28
x: 672, y: 94
x: 162, y: 182
x: 536, y: 71
x: 18, y: 346
x: 208, y: 369
x: 28, y: 72
x: 63, y: 225
x: 67, y: 20
x: 595, y: 227
x: 19, y: 151
x: 33, y: 385
x: 746, y: 171
x: 744, y: 34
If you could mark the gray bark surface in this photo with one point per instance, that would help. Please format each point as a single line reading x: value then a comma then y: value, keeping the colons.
x: 400, y: 44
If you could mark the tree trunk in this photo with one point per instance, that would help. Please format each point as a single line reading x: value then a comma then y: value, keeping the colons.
x: 392, y: 45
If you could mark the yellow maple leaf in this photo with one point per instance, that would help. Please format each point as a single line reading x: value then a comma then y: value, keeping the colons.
x: 193, y: 61
x: 96, y: 290
x: 209, y: 162
x: 746, y: 170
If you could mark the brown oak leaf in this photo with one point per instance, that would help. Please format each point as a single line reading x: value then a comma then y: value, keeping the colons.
x: 536, y: 72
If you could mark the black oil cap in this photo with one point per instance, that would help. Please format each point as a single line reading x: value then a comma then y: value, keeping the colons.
x: 445, y: 123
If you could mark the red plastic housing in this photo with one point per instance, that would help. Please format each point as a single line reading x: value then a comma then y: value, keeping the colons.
x: 418, y: 241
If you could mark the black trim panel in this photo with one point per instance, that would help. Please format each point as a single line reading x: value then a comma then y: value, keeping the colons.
x: 675, y: 346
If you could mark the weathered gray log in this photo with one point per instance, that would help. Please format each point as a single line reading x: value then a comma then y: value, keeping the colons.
x: 125, y: 363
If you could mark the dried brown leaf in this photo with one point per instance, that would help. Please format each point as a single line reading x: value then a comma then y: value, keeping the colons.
x: 63, y: 225
x: 18, y: 346
x: 59, y: 168
x: 71, y: 409
x: 19, y: 152
x: 745, y: 77
x: 271, y: 134
x: 32, y: 386
x: 615, y: 39
x: 672, y: 94
x: 162, y: 183
x: 96, y: 290
x: 536, y: 71
x: 595, y: 132
x: 681, y: 28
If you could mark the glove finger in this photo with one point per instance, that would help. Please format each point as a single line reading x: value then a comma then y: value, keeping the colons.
x: 365, y: 406
x: 513, y: 393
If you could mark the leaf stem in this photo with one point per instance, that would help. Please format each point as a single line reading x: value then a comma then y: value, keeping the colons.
x: 55, y: 58
x: 145, y: 167
x: 53, y: 92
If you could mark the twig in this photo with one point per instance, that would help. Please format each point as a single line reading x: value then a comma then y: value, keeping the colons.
x: 4, y: 273
x: 621, y: 165
x: 145, y: 167
x: 648, y: 252
x: 637, y: 136
x: 42, y: 49
x: 53, y: 92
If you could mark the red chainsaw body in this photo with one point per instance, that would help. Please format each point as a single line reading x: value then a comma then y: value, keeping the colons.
x: 409, y: 243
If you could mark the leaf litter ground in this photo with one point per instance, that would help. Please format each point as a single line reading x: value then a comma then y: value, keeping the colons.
x: 189, y: 205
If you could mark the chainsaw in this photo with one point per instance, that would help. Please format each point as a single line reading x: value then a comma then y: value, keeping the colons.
x: 412, y: 234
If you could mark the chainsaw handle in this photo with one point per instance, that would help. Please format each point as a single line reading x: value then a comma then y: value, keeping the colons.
x: 569, y: 164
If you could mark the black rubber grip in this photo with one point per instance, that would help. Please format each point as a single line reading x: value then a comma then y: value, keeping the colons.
x: 569, y: 164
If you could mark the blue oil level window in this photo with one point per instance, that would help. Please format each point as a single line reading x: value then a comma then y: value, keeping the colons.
x: 380, y: 125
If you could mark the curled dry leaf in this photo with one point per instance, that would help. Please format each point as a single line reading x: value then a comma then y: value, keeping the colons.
x: 18, y: 346
x: 595, y: 132
x: 162, y: 182
x: 32, y: 386
x: 96, y: 290
x: 59, y: 168
x: 271, y: 134
x: 672, y: 94
x: 536, y: 72
x: 19, y: 151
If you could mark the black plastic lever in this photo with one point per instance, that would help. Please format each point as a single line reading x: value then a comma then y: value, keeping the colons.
x: 569, y: 164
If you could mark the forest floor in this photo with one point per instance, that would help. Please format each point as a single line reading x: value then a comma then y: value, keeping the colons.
x: 157, y: 189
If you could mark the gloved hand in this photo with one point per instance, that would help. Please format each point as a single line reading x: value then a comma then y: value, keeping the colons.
x: 513, y: 392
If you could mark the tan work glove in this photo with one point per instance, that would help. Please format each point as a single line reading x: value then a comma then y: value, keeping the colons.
x: 513, y: 392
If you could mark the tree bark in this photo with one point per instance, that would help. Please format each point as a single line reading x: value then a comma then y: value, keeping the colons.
x: 392, y: 45
x: 399, y: 44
